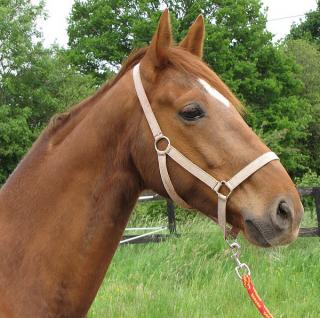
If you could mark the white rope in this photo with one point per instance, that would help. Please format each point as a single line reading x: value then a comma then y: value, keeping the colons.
x: 142, y: 235
x: 144, y: 228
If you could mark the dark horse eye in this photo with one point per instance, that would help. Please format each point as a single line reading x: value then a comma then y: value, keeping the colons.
x: 192, y: 112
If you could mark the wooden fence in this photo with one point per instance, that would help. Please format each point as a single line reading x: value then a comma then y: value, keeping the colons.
x: 315, y: 193
x: 148, y: 196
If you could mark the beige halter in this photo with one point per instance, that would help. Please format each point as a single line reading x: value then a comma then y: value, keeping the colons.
x: 183, y: 161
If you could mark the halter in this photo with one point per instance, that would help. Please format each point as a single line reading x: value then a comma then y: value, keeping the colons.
x: 188, y: 165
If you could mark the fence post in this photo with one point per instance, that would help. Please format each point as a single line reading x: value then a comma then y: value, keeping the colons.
x: 316, y: 194
x: 171, y: 217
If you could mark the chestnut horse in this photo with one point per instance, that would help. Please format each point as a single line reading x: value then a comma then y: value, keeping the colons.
x: 65, y: 207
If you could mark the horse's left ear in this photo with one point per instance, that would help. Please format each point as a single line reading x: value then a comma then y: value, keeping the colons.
x: 193, y: 42
x: 161, y: 41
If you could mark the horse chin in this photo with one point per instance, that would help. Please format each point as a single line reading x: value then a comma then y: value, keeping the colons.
x: 264, y: 234
x: 254, y: 235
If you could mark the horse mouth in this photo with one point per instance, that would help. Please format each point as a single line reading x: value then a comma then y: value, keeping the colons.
x: 255, y: 235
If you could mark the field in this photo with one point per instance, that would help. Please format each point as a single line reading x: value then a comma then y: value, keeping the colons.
x: 192, y: 276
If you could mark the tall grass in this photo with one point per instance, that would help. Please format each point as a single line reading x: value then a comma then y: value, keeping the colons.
x: 193, y: 276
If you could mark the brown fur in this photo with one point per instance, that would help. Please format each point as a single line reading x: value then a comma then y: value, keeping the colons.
x: 65, y: 207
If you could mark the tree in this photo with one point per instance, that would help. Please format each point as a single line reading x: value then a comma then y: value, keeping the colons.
x: 307, y: 56
x: 17, y: 33
x: 102, y: 33
x: 309, y: 29
x: 15, y: 138
x: 303, y: 45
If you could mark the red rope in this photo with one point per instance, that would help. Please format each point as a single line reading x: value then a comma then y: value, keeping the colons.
x: 248, y: 285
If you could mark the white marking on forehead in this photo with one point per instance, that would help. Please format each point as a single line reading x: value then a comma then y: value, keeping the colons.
x: 214, y: 93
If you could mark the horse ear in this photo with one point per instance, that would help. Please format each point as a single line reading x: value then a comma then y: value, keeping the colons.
x: 161, y: 40
x: 193, y: 42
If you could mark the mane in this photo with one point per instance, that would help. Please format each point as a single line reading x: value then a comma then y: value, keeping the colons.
x: 177, y: 57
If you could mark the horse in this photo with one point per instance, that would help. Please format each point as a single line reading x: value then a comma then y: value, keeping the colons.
x: 65, y: 207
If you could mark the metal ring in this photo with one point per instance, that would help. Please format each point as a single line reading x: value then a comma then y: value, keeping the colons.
x: 159, y: 138
x: 233, y: 243
x: 245, y: 268
x: 234, y: 246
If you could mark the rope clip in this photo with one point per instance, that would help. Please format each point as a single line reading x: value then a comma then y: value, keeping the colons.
x: 241, y: 269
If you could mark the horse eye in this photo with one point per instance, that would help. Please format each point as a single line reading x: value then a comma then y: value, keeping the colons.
x: 192, y: 112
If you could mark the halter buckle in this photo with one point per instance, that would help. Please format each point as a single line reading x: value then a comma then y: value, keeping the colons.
x: 157, y: 139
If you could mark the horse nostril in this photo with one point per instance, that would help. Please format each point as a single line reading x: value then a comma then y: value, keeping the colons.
x: 283, y: 217
x: 283, y: 211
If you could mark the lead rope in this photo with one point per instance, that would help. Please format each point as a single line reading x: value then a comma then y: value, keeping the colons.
x: 243, y: 272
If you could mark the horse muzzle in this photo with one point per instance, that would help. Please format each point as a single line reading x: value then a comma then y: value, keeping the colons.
x: 279, y: 226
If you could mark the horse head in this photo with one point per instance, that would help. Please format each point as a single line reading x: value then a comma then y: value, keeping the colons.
x: 200, y: 117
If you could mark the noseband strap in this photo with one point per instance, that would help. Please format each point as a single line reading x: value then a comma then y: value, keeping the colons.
x: 188, y: 165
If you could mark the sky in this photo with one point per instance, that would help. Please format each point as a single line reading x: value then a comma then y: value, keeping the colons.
x: 54, y: 28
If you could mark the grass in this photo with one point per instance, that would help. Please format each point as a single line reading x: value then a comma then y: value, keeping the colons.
x: 192, y: 276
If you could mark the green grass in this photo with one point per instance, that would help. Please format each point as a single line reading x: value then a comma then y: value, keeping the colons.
x: 193, y: 276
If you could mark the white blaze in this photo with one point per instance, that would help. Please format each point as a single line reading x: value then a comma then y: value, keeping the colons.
x: 214, y: 93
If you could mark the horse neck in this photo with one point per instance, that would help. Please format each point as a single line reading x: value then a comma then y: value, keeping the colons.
x: 64, y: 209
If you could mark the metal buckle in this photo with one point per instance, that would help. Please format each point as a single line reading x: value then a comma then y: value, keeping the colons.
x: 156, y: 141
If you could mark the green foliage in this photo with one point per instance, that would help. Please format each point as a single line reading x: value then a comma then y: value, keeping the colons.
x: 309, y: 29
x: 303, y: 44
x: 309, y: 179
x: 307, y: 56
x: 15, y: 137
x: 102, y: 33
x: 17, y: 33
x: 284, y: 127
